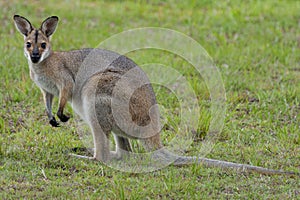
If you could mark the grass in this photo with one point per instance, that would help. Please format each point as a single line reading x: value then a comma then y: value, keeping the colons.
x: 256, y: 47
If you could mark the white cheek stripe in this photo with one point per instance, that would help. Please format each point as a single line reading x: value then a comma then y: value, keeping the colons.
x: 27, y: 55
x: 44, y: 55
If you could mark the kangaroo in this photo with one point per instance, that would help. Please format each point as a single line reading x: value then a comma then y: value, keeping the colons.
x: 94, y: 93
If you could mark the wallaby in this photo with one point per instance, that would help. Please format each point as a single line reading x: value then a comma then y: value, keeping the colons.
x: 92, y: 95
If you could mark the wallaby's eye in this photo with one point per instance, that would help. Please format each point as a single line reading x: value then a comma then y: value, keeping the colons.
x: 28, y: 44
x: 43, y: 45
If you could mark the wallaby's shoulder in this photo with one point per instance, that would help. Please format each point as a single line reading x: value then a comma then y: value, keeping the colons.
x: 62, y: 62
x: 68, y: 56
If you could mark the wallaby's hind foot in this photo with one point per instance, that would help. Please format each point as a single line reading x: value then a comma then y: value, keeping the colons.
x: 81, y: 156
x: 113, y: 156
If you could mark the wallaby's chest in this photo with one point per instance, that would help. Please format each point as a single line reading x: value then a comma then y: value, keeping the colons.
x: 45, y: 83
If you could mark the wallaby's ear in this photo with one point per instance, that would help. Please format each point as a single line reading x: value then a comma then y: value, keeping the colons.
x: 23, y: 25
x: 49, y: 25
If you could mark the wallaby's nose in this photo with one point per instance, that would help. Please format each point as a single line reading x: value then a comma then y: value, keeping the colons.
x: 35, y: 52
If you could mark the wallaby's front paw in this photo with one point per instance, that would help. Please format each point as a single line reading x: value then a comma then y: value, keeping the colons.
x: 53, y: 122
x: 63, y: 118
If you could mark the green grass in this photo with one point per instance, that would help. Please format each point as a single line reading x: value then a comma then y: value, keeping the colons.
x: 256, y: 47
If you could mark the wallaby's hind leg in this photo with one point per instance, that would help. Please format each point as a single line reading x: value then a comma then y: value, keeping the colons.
x: 101, y: 146
x: 122, y: 144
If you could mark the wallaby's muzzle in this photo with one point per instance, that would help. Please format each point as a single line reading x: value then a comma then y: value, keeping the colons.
x: 35, y: 56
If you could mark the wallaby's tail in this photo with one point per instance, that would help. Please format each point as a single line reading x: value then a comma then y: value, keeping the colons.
x: 188, y: 160
x: 182, y: 160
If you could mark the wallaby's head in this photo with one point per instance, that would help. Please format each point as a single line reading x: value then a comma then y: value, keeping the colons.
x: 37, y: 45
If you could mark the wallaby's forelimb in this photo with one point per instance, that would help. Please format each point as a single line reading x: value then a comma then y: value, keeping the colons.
x: 48, y: 103
x: 63, y: 99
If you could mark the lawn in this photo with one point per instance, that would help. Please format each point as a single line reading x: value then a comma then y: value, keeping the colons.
x: 255, y: 45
